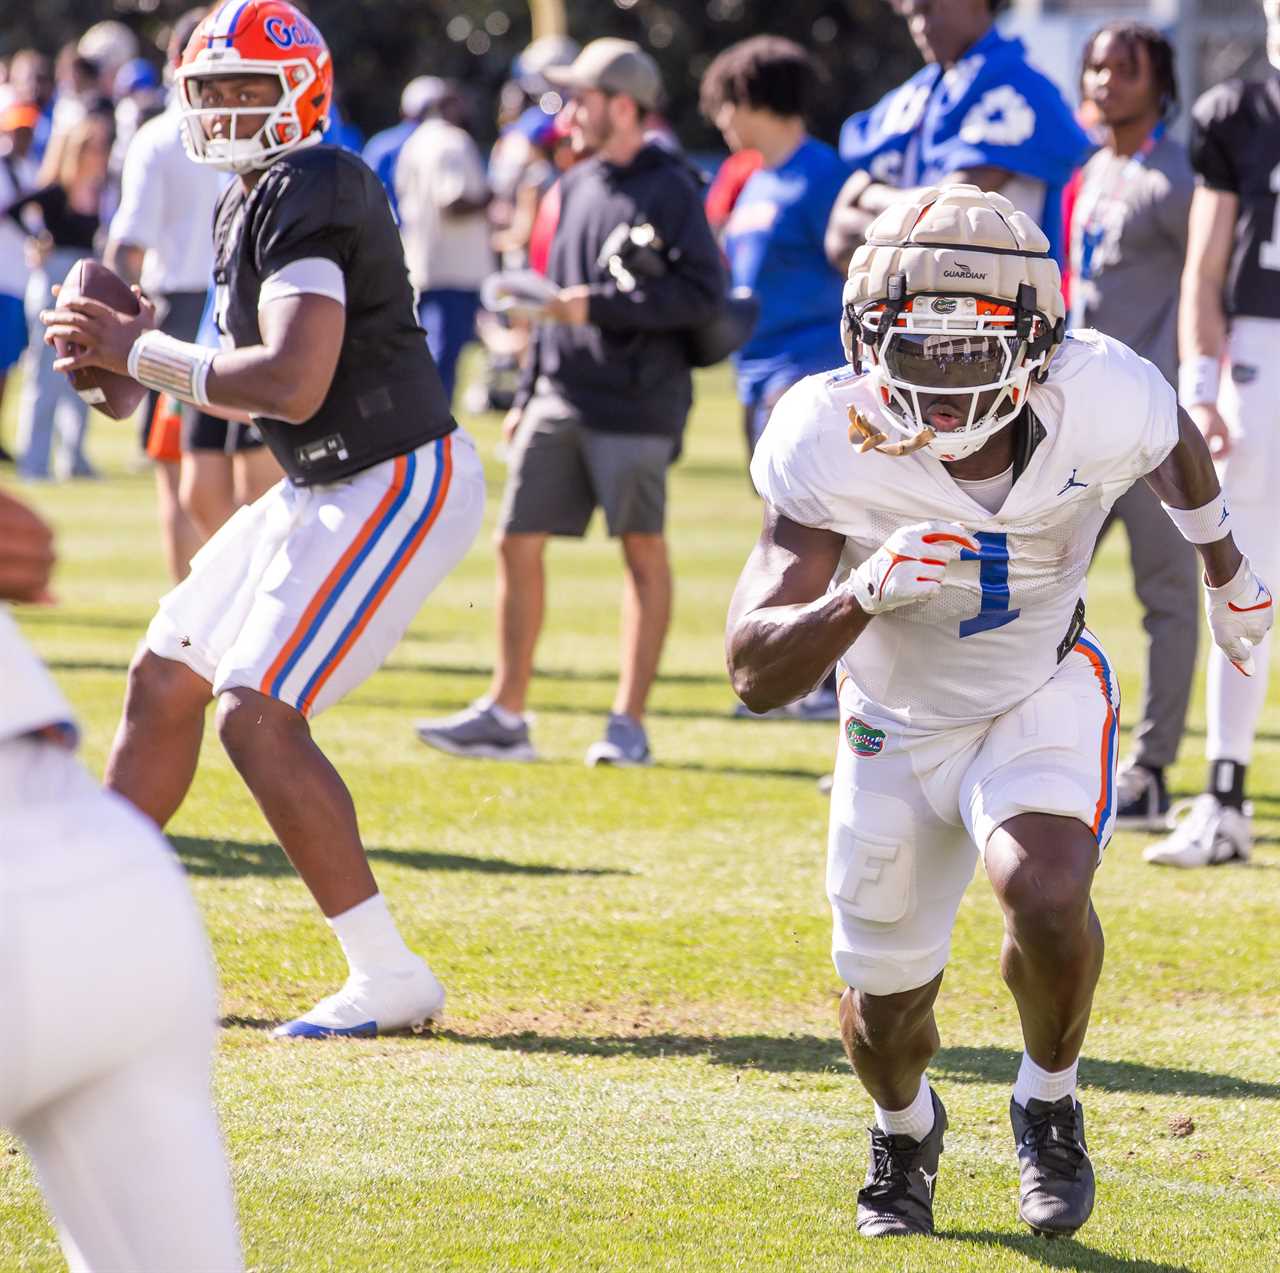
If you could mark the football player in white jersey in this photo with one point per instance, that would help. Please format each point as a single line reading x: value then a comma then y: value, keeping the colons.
x: 110, y: 1007
x: 929, y: 518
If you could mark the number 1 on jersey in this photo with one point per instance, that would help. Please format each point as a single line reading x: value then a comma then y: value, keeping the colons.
x: 993, y: 576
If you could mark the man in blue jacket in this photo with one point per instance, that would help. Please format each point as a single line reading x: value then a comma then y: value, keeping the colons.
x: 603, y: 401
x: 976, y: 112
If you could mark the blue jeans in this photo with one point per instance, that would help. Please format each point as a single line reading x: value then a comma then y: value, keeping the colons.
x: 448, y: 316
x: 48, y: 402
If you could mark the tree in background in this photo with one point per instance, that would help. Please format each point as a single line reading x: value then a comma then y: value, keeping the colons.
x: 378, y: 45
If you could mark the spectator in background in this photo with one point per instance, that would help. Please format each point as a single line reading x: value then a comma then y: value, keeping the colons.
x: 1128, y: 238
x: 382, y: 151
x: 159, y: 238
x: 977, y: 112
x: 442, y: 194
x: 603, y: 402
x: 69, y: 214
x: 757, y: 94
x: 31, y: 80
x: 1229, y: 383
x: 17, y: 175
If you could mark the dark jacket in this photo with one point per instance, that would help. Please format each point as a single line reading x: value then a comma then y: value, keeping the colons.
x: 626, y: 370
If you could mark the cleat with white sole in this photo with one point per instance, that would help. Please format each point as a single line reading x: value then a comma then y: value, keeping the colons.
x: 369, y: 1006
x: 1205, y: 833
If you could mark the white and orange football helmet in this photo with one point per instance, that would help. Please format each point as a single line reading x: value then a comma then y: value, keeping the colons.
x: 954, y: 292
x: 255, y: 37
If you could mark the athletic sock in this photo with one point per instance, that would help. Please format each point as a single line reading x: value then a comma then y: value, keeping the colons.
x: 1033, y: 1083
x: 505, y: 718
x: 370, y: 939
x: 1226, y: 781
x: 915, y: 1121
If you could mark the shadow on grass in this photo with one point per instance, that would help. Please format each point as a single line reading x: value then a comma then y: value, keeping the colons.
x: 1061, y: 1253
x: 88, y: 665
x: 808, y: 1053
x: 581, y: 676
x: 231, y: 858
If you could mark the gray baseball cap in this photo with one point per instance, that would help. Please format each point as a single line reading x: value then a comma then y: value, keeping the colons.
x: 613, y: 66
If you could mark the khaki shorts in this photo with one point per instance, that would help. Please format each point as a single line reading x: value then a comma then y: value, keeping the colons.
x: 560, y: 471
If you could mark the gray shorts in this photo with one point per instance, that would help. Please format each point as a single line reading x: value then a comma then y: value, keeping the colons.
x: 560, y: 470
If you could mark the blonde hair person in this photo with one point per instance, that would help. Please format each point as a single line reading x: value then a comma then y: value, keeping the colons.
x: 62, y: 216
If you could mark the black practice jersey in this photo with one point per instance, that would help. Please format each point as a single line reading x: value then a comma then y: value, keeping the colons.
x: 1235, y: 147
x: 386, y: 397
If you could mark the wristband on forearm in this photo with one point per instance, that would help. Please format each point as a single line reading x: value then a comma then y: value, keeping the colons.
x: 1198, y: 381
x: 172, y: 366
x: 1204, y: 525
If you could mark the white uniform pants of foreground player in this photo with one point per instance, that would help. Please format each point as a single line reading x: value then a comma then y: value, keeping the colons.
x: 110, y: 1013
x: 1250, y: 476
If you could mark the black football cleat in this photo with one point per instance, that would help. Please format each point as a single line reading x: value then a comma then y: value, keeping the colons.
x: 1057, y: 1188
x: 897, y: 1199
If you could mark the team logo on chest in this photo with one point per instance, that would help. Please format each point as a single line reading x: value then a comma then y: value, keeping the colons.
x: 865, y: 739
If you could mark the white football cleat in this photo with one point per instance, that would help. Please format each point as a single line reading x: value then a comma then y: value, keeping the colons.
x: 366, y: 1006
x: 1205, y: 833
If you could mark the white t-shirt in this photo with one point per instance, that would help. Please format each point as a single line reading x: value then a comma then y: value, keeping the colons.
x: 440, y: 163
x: 28, y: 697
x: 991, y: 635
x: 166, y: 206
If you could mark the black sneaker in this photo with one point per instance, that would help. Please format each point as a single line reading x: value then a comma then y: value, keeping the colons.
x: 1142, y: 803
x: 1056, y: 1194
x: 897, y: 1199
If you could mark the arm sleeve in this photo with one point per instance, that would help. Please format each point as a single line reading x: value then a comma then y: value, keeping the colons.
x: 691, y: 291
x: 312, y: 213
x: 137, y: 221
x: 1211, y: 149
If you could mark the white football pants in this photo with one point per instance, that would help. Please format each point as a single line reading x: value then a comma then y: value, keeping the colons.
x: 109, y: 1018
x: 1250, y: 405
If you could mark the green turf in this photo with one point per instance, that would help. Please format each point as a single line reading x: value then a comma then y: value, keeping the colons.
x: 639, y: 1068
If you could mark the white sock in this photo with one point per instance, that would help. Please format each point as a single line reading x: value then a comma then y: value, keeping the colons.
x: 915, y: 1121
x: 505, y: 718
x: 370, y: 939
x: 1033, y: 1083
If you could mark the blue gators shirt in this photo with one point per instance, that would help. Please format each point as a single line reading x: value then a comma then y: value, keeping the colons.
x: 990, y: 109
x: 774, y: 245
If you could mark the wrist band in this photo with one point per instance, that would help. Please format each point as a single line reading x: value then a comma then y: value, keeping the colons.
x: 172, y: 366
x: 1204, y: 525
x: 1198, y: 381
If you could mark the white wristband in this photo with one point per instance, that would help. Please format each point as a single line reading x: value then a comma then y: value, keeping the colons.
x: 1198, y: 381
x: 1204, y: 525
x: 172, y: 366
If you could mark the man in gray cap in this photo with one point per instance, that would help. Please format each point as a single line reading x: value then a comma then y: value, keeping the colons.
x: 603, y: 401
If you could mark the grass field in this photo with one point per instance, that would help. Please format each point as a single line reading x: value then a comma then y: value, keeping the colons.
x: 639, y: 1068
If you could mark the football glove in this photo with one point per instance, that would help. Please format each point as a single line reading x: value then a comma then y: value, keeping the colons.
x: 1240, y: 615
x: 909, y: 566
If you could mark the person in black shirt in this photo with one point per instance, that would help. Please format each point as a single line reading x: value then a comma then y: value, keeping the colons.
x: 1229, y: 382
x: 300, y: 596
x: 602, y: 406
x: 68, y: 211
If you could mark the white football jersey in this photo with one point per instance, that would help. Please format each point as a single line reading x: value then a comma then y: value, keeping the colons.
x: 1003, y: 619
x: 29, y: 699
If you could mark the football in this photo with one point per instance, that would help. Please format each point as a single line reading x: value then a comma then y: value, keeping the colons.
x: 114, y: 395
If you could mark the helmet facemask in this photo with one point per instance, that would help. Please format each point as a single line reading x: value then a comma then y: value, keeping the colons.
x: 281, y: 129
x: 939, y: 345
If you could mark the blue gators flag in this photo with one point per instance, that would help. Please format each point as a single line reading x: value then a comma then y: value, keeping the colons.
x: 991, y: 109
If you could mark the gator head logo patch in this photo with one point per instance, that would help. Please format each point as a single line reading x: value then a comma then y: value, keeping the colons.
x: 865, y: 739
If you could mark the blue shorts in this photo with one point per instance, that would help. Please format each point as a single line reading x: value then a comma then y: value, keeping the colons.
x: 13, y: 330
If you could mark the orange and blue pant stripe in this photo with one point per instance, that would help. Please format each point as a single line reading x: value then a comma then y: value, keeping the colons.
x: 1110, y: 731
x: 376, y: 528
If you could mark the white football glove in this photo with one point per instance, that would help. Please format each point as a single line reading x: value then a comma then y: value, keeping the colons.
x: 909, y: 566
x: 1240, y: 615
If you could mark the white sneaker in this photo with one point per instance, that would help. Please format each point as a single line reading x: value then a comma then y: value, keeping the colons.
x: 366, y: 1006
x: 1206, y: 833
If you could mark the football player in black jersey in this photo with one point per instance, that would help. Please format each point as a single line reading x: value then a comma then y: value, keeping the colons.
x: 1229, y: 380
x: 301, y: 595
